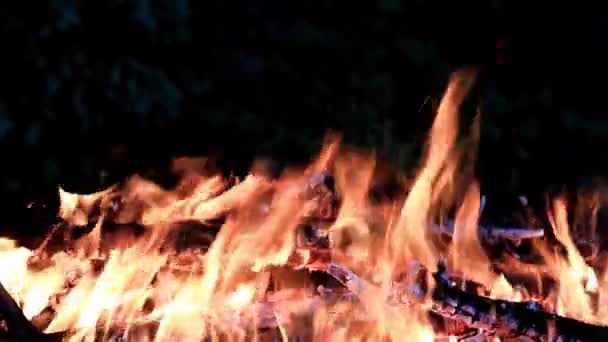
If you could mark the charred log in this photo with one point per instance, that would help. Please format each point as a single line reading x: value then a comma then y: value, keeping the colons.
x: 510, y: 319
x: 502, y: 318
x: 19, y: 328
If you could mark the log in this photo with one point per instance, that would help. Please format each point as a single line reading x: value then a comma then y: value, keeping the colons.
x: 509, y: 319
x: 494, y: 234
x: 501, y: 318
x: 19, y: 327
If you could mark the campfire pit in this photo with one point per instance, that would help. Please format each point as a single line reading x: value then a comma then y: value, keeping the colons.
x: 297, y: 259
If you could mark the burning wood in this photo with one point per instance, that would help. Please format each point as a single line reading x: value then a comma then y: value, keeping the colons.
x: 492, y: 234
x: 18, y: 325
x: 502, y: 318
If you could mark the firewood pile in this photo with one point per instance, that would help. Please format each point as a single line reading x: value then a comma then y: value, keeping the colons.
x: 313, y: 255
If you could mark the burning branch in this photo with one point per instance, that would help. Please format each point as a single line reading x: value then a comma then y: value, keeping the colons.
x: 503, y: 318
x: 492, y: 234
x: 18, y: 325
x: 509, y: 319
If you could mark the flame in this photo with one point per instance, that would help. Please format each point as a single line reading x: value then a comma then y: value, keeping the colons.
x: 76, y: 208
x: 572, y: 271
x: 170, y: 283
x: 410, y: 236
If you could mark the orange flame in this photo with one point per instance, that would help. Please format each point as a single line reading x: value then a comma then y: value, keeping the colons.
x: 245, y: 278
x: 410, y: 237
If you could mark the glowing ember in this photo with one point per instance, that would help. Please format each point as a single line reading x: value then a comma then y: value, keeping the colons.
x: 169, y: 281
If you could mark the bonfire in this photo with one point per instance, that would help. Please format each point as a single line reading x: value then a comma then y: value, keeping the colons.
x: 310, y: 255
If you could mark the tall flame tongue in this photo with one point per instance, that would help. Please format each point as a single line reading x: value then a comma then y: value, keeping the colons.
x: 410, y: 236
x: 156, y: 277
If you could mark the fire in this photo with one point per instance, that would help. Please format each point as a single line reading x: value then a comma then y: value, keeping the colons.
x: 157, y: 285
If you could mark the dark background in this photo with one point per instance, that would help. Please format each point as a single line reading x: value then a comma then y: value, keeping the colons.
x: 123, y: 86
